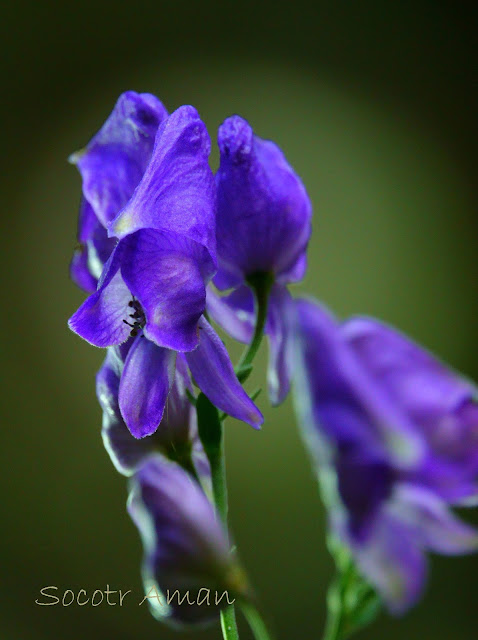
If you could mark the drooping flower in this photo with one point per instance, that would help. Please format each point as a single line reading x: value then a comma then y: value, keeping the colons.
x: 394, y: 437
x: 111, y: 167
x: 177, y: 435
x: 263, y: 227
x: 189, y: 572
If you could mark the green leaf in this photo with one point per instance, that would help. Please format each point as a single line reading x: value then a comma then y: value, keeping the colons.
x: 209, y: 425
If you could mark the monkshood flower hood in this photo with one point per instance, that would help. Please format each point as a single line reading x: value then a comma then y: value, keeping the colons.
x: 111, y: 167
x: 394, y: 437
x: 263, y: 228
x: 153, y: 285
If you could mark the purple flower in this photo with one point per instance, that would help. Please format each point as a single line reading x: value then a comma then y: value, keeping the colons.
x: 111, y: 167
x: 186, y: 551
x: 146, y: 375
x: 263, y: 222
x: 166, y: 254
x: 176, y: 437
x: 92, y: 251
x: 394, y: 436
x: 154, y: 282
x: 153, y: 286
x: 263, y: 227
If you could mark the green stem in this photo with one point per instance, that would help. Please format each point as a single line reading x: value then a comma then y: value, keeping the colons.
x: 219, y: 488
x: 337, y: 613
x: 218, y: 479
x: 351, y: 603
x: 212, y: 436
x: 261, y: 284
x: 333, y: 627
x: 229, y: 624
x: 255, y: 621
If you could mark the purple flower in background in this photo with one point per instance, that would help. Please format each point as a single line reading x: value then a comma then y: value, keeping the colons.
x: 176, y: 437
x: 263, y: 227
x: 111, y: 167
x: 394, y: 435
x: 186, y: 551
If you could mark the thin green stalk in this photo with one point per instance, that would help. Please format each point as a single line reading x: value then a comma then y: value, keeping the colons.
x: 229, y: 624
x: 218, y: 479
x: 212, y: 437
x: 261, y: 284
x: 351, y: 603
x: 335, y: 611
x: 219, y: 488
x: 337, y: 614
x: 255, y: 621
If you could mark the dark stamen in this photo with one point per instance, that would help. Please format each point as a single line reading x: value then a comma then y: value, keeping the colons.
x: 138, y: 317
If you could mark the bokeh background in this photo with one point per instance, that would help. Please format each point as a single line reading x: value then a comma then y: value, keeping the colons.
x: 374, y: 104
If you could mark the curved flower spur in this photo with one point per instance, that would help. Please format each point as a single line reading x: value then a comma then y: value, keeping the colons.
x: 111, y: 167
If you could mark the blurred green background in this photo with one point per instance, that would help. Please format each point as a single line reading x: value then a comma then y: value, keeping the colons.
x: 374, y: 104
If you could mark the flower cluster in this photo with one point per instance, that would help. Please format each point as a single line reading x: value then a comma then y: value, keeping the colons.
x: 164, y: 245
x: 148, y: 227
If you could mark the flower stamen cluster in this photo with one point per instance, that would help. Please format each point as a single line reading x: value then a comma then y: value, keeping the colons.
x: 138, y: 317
